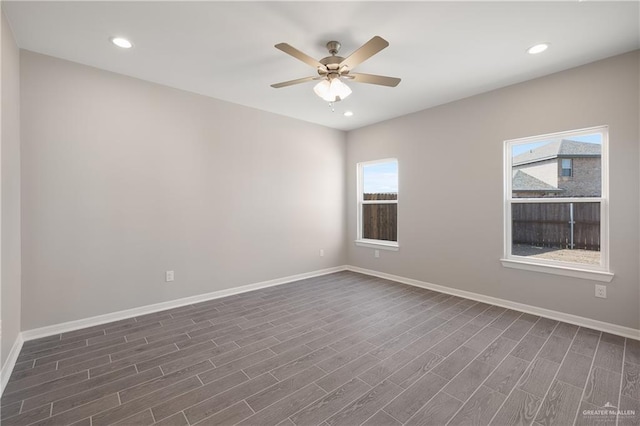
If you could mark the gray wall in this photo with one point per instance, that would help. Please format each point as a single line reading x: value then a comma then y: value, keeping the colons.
x: 123, y: 179
x: 10, y: 154
x: 451, y: 189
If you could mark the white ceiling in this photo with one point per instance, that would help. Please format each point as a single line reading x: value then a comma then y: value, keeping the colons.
x: 443, y: 51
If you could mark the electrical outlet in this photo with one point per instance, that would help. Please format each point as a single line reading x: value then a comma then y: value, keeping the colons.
x: 376, y: 253
x: 321, y: 252
x: 601, y: 291
x: 169, y: 276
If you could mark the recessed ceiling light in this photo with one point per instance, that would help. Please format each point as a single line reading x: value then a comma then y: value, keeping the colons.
x: 348, y: 113
x: 121, y: 42
x: 538, y: 48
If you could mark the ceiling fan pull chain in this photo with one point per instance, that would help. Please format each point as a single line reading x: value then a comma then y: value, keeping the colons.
x: 331, y: 106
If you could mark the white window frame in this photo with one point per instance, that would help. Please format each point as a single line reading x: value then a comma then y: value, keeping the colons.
x: 599, y: 272
x: 366, y: 242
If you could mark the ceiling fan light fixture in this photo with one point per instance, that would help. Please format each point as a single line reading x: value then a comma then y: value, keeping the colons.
x: 338, y: 89
x: 332, y: 91
x: 322, y: 89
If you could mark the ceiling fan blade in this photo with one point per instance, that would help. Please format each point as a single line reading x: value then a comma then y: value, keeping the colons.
x: 292, y: 82
x: 375, y: 79
x: 290, y: 50
x: 365, y: 51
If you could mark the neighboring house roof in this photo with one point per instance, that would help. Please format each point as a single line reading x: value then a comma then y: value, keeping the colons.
x: 525, y: 182
x: 559, y: 148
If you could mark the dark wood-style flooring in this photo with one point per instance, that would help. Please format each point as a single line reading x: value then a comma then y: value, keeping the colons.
x: 341, y: 349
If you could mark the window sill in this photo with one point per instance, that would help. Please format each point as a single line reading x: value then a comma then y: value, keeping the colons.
x: 378, y: 244
x: 586, y: 274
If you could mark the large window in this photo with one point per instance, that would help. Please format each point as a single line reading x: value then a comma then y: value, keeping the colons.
x: 556, y: 205
x: 378, y: 204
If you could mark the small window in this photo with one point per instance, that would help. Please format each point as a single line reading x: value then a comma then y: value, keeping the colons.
x: 378, y: 203
x: 567, y: 167
x: 551, y: 221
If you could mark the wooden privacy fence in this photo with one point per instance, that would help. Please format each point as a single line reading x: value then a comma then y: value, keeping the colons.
x: 550, y: 225
x: 380, y: 221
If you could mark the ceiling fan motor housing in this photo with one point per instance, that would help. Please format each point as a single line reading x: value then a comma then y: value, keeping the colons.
x: 332, y: 63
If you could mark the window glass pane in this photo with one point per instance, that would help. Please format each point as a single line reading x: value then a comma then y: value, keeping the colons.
x: 566, y: 232
x: 380, y: 182
x: 380, y: 222
x: 535, y: 167
x: 380, y: 178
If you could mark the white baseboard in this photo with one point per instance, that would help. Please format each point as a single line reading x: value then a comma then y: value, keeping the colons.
x: 619, y: 330
x: 142, y: 310
x: 115, y: 316
x: 10, y: 363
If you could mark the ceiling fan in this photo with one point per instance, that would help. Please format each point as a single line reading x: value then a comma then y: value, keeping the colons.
x: 333, y: 69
